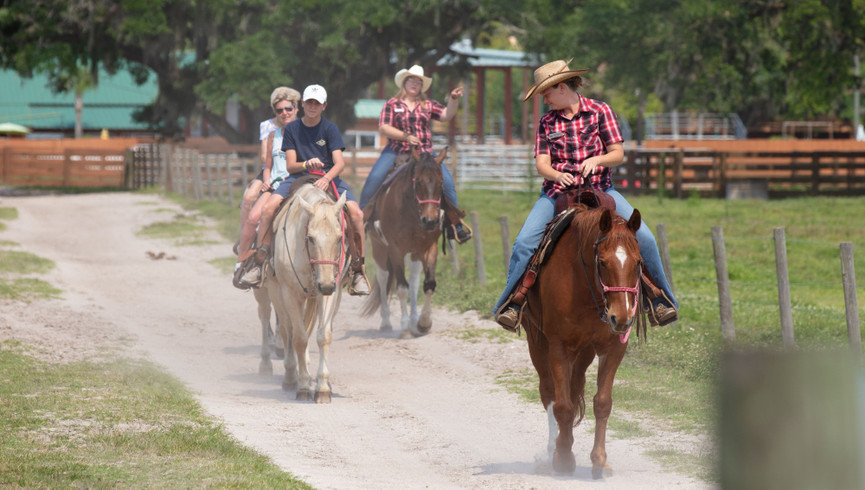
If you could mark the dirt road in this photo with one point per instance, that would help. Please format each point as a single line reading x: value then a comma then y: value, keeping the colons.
x: 419, y: 413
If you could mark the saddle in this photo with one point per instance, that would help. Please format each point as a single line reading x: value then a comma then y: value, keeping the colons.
x: 567, y: 205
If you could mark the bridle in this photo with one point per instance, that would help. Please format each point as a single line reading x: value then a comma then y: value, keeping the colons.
x: 420, y: 201
x: 602, y: 312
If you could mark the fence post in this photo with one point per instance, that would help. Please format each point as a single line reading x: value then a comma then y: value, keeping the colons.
x: 815, y: 174
x: 196, y: 176
x: 220, y: 189
x: 208, y: 175
x: 728, y: 330
x: 455, y: 261
x: 783, y: 288
x: 129, y: 165
x: 479, y: 250
x: 677, y: 173
x: 230, y: 184
x: 662, y: 164
x: 506, y: 241
x: 664, y: 248
x: 848, y: 277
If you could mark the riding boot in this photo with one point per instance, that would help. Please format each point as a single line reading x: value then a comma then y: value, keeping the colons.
x: 454, y: 226
x: 656, y: 305
x: 359, y: 285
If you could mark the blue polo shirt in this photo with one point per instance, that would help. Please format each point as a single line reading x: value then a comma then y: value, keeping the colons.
x: 319, y: 141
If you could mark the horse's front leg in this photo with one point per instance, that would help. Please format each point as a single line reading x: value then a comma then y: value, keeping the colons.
x: 563, y: 409
x: 603, y: 405
x: 413, y: 286
x: 265, y: 367
x: 424, y: 325
x: 381, y: 276
x: 300, y: 341
x: 286, y: 326
x: 326, y: 310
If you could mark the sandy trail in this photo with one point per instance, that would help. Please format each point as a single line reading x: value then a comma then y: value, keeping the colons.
x: 418, y: 413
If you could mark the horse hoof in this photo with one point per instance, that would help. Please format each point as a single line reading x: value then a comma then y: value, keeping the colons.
x: 304, y: 396
x: 405, y: 334
x: 265, y: 368
x: 322, y: 397
x: 564, y: 463
x: 424, y: 325
x: 599, y: 472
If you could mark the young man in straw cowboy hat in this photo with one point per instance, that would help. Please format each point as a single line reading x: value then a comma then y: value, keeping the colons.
x: 576, y: 143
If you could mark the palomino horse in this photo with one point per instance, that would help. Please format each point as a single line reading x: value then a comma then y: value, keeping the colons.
x: 309, y: 258
x: 404, y: 218
x: 583, y: 305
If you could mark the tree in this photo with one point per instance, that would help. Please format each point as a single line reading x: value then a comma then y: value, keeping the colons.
x: 204, y: 52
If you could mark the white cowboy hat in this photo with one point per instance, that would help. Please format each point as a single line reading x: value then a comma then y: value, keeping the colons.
x: 551, y: 74
x: 414, y: 71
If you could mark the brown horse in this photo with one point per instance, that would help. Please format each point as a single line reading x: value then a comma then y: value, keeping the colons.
x: 583, y: 305
x: 404, y: 217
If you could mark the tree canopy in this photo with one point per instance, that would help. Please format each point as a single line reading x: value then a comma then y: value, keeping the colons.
x: 763, y: 59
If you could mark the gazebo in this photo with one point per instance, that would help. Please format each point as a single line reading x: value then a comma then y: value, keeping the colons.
x: 483, y: 59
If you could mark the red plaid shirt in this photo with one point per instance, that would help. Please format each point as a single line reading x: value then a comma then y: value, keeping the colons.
x: 417, y: 122
x: 569, y: 142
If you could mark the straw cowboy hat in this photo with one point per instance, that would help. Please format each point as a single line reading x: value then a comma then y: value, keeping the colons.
x: 551, y: 74
x: 414, y: 71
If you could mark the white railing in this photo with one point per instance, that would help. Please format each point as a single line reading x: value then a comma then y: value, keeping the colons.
x: 690, y: 126
x: 496, y: 167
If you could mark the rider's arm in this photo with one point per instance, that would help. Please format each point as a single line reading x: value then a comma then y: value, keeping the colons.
x: 338, y: 165
x: 268, y: 159
x: 614, y: 157
x: 453, y: 105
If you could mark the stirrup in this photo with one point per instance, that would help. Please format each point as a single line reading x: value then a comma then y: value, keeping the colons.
x: 362, y: 288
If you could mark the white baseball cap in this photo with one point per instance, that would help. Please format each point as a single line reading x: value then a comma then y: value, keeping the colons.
x: 316, y: 92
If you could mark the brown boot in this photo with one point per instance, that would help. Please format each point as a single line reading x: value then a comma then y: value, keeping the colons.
x: 359, y: 285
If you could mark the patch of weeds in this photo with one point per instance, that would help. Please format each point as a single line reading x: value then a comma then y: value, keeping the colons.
x: 183, y: 229
x: 523, y: 383
x: 7, y: 213
x: 475, y: 334
x: 700, y: 465
x: 26, y: 288
x: 224, y: 264
x: 15, y: 262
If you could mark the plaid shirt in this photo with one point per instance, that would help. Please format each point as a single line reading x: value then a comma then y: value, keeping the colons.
x: 417, y: 122
x: 569, y: 142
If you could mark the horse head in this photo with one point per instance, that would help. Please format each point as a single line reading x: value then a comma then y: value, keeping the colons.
x: 618, y: 263
x: 324, y: 241
x: 427, y: 184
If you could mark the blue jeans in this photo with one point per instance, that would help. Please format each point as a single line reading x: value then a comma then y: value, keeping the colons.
x: 530, y: 235
x: 378, y: 173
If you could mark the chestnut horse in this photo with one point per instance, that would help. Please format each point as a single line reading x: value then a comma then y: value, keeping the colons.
x: 583, y: 305
x: 405, y: 217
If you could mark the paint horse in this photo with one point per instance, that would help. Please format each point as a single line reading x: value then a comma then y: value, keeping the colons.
x: 583, y: 305
x: 405, y: 218
x: 309, y: 260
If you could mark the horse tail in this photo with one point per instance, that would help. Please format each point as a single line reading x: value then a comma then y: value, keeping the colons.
x: 373, y: 301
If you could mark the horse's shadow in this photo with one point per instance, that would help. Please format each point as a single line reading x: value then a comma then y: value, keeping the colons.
x: 371, y: 334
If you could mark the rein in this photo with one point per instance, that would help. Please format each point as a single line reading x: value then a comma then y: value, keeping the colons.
x: 340, y: 263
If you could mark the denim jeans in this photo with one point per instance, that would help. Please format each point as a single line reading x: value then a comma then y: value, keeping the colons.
x: 378, y: 173
x: 530, y: 235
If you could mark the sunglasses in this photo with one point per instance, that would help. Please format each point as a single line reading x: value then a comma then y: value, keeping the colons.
x: 284, y: 109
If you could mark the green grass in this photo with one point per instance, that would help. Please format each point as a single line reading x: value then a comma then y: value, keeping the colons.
x: 14, y: 264
x: 183, y: 229
x: 114, y: 424
x: 672, y: 377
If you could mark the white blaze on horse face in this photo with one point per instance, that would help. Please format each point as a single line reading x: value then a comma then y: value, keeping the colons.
x: 622, y: 255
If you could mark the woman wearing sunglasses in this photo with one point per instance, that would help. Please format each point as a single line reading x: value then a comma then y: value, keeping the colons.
x: 285, y: 102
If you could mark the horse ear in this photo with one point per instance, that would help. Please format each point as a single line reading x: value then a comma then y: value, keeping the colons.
x: 635, y: 221
x: 304, y: 205
x: 341, y: 202
x: 606, y: 221
x: 442, y: 155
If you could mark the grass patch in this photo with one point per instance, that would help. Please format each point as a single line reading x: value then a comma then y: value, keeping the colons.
x: 27, y: 288
x: 475, y: 334
x: 7, y: 213
x: 115, y: 424
x: 16, y: 262
x: 183, y: 229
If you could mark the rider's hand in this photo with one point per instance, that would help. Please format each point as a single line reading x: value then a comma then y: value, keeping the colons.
x: 314, y: 163
x: 565, y: 179
x: 323, y: 183
x: 412, y: 140
x: 589, y: 165
x: 456, y: 93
